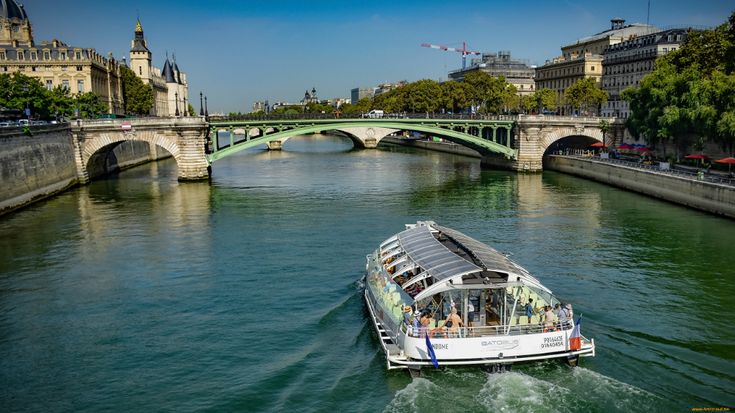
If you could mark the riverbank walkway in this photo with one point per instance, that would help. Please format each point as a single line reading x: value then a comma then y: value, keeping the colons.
x: 681, y: 171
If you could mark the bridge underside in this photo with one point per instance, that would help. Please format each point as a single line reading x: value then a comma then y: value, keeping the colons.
x: 483, y: 138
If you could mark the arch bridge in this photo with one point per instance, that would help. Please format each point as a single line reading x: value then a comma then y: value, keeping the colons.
x: 485, y: 136
x: 516, y: 143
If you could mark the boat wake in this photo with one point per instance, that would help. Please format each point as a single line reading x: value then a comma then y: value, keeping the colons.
x: 542, y: 388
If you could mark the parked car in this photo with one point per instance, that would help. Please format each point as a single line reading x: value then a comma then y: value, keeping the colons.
x: 375, y: 113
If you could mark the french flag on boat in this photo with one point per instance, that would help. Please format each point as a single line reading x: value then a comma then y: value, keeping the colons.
x: 575, y: 340
x: 430, y: 349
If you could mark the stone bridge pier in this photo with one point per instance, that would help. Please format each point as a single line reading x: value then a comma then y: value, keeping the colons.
x: 184, y: 138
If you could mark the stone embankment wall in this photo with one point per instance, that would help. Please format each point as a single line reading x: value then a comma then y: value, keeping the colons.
x: 715, y: 198
x: 447, y: 147
x: 36, y: 166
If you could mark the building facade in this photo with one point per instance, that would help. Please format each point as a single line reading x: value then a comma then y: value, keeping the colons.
x: 584, y: 58
x: 55, y: 63
x: 516, y: 72
x: 170, y: 85
x: 359, y: 93
x: 625, y: 63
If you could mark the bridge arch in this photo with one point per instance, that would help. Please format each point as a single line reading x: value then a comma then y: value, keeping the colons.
x: 559, y: 134
x: 281, y: 133
x: 106, y: 142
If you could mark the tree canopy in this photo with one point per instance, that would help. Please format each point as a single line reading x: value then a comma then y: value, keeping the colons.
x: 139, y: 97
x: 689, y: 97
x: 18, y: 91
x: 585, y: 95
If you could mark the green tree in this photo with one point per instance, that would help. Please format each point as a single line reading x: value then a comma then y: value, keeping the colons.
x: 604, y: 128
x: 60, y: 102
x: 89, y: 105
x: 139, y: 98
x: 191, y: 110
x: 689, y: 97
x: 424, y: 96
x: 455, y: 96
x: 18, y: 91
x: 585, y: 95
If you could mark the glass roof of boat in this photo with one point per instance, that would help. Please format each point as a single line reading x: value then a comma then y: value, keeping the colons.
x: 488, y: 256
x: 436, y: 259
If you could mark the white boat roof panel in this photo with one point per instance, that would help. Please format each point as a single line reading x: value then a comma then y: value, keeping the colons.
x: 436, y: 259
x: 491, y: 258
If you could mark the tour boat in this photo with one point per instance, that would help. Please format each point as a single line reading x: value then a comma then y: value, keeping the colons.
x: 438, y: 297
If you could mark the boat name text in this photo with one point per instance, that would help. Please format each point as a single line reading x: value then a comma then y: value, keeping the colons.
x: 555, y: 341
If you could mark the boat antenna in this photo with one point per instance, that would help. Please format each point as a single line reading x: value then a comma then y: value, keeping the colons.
x: 648, y: 13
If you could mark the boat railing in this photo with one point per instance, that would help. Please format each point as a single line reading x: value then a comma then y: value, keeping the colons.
x: 482, y: 331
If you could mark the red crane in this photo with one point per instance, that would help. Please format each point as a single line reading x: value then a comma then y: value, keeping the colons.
x: 463, y: 50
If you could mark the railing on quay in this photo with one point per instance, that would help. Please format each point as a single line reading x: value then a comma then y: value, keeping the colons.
x: 655, y: 167
x: 309, y: 116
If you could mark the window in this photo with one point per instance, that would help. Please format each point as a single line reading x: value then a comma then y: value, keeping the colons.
x: 46, y: 56
x: 79, y: 68
x: 65, y: 84
x: 78, y: 55
x: 140, y: 70
x: 593, y: 68
x: 34, y: 68
x: 49, y: 84
x: 80, y: 86
x: 62, y: 55
x: 2, y: 55
x: 21, y: 55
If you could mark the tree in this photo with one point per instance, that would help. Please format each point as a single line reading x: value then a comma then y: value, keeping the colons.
x: 689, y: 97
x: 480, y: 84
x: 139, y: 98
x: 60, y: 102
x: 89, y: 105
x: 545, y: 99
x: 191, y: 110
x: 455, y: 96
x: 604, y: 128
x: 585, y: 95
x: 424, y: 96
x: 18, y: 91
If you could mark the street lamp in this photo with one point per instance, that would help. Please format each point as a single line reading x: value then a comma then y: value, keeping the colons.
x: 201, y: 105
x: 176, y: 97
x: 186, y: 108
x: 206, y: 111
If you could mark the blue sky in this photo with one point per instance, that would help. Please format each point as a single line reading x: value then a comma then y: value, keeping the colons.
x: 238, y: 52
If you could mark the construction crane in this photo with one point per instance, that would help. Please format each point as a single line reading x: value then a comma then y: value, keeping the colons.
x: 463, y: 50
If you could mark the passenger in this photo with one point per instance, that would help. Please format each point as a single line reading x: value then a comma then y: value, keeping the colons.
x: 549, y: 319
x: 415, y: 323
x: 529, y: 309
x: 564, y: 316
x: 407, y: 315
x: 425, y: 322
x: 453, y: 322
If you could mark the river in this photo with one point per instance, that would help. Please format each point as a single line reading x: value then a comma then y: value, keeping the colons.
x: 140, y: 293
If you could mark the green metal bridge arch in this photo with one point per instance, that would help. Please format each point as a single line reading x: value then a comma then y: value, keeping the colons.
x: 480, y: 135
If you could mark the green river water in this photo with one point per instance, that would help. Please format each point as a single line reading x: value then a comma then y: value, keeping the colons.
x: 140, y: 293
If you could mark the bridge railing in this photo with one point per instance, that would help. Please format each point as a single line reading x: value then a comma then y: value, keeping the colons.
x: 404, y: 115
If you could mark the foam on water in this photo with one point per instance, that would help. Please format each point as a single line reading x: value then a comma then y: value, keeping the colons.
x: 412, y: 397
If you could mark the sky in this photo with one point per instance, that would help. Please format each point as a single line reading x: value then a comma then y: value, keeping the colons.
x: 238, y: 52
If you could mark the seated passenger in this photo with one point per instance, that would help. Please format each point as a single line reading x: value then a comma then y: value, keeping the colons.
x: 425, y: 321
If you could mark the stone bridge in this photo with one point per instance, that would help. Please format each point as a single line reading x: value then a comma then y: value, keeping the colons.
x: 517, y: 143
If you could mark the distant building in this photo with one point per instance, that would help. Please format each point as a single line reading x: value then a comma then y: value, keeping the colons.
x: 55, y: 63
x: 310, y: 97
x: 387, y: 87
x: 170, y: 86
x: 261, y: 106
x: 583, y: 59
x: 516, y: 72
x: 359, y: 93
x: 625, y: 63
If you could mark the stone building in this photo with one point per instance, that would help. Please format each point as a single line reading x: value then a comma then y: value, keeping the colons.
x: 360, y: 93
x: 170, y: 86
x: 625, y: 63
x: 55, y: 63
x: 516, y: 72
x: 584, y: 58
